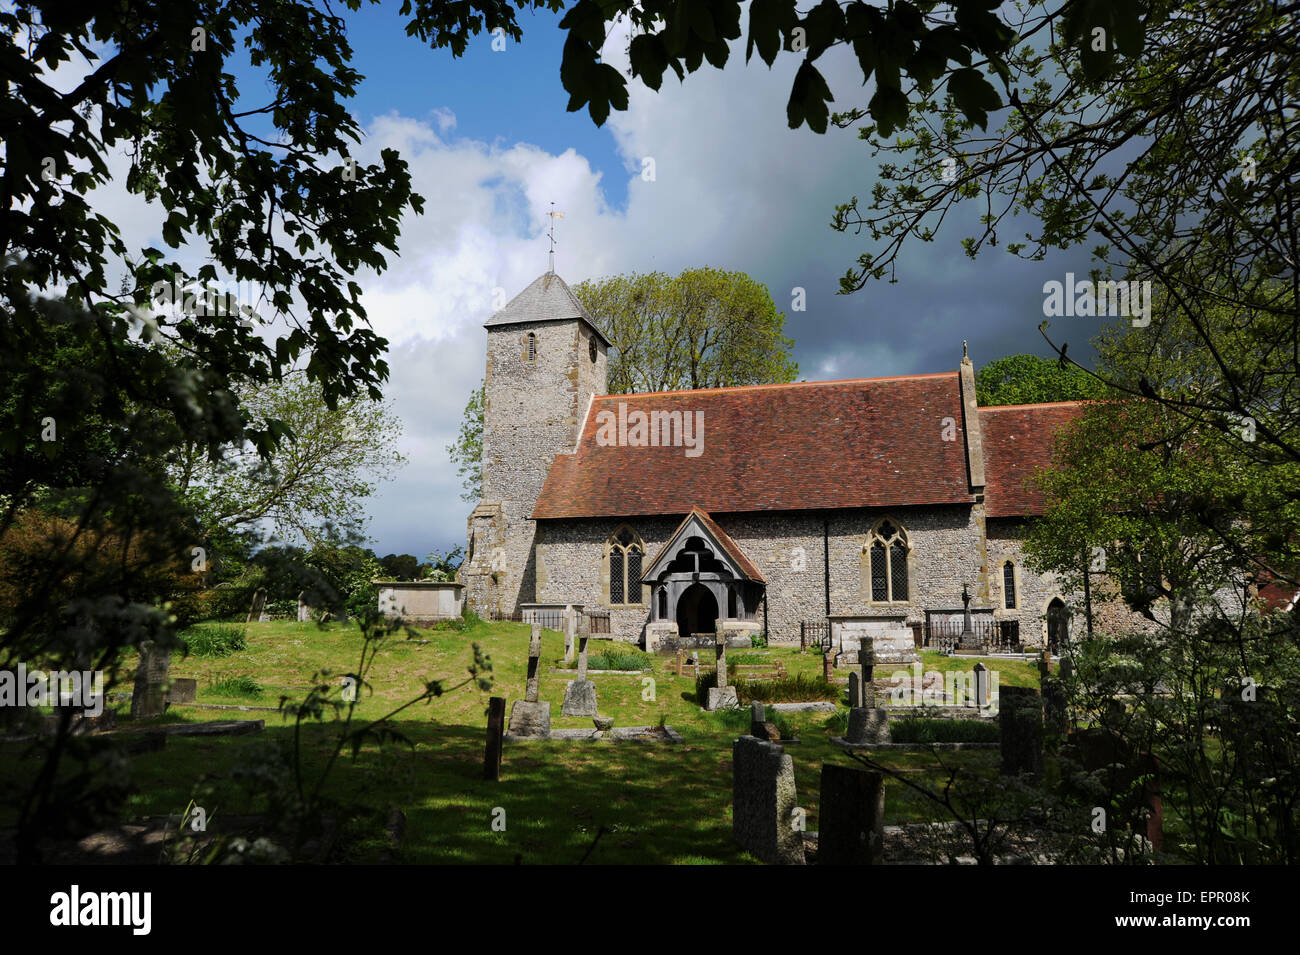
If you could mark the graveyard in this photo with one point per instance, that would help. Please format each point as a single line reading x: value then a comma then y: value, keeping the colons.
x: 659, y: 798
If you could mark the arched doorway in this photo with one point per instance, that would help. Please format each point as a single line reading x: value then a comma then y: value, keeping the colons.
x: 697, y: 611
x: 1058, y: 625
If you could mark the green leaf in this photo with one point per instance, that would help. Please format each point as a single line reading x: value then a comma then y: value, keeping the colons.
x: 974, y: 95
x: 769, y: 22
x: 808, y: 99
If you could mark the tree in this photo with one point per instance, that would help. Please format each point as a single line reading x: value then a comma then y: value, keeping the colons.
x: 1179, y: 522
x: 323, y: 469
x: 466, y: 452
x: 267, y: 194
x: 1029, y: 379
x: 444, y: 566
x: 705, y: 328
x: 401, y: 566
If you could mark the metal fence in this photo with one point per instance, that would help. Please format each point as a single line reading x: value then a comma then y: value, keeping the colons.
x: 813, y: 633
x: 994, y: 636
x: 552, y: 618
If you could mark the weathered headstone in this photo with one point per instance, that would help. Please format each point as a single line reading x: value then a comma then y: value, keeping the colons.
x: 149, y: 697
x: 721, y: 697
x: 828, y: 666
x: 759, y: 725
x: 850, y: 829
x: 529, y: 717
x: 580, y: 694
x: 495, y: 729
x: 1020, y: 715
x: 183, y: 691
x: 258, y: 607
x: 855, y: 690
x: 570, y: 632
x: 1044, y: 665
x: 304, y: 610
x: 763, y: 802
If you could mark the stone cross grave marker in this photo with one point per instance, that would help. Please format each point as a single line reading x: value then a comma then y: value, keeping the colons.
x: 534, y: 659
x: 580, y: 694
x: 867, y: 661
x: 721, y: 697
x: 868, y: 723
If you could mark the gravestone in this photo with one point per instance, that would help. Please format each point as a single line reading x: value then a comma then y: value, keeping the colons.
x: 968, y: 640
x: 868, y: 723
x: 1044, y: 665
x: 529, y: 717
x: 828, y: 666
x: 570, y: 632
x: 149, y: 696
x: 496, y: 726
x: 721, y: 697
x: 255, y: 612
x: 763, y: 800
x: 850, y: 829
x: 183, y: 691
x: 855, y: 690
x: 1120, y: 764
x: 981, y: 685
x: 579, y: 694
x: 1020, y: 715
x: 759, y: 726
x: 304, y: 611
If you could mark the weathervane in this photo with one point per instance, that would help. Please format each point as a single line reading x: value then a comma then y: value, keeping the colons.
x: 551, y: 234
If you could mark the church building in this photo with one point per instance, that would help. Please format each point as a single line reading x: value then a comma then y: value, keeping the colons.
x: 875, y: 503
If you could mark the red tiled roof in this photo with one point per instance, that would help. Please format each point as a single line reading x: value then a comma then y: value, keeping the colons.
x: 861, y: 443
x: 1017, y: 442
x: 723, y: 540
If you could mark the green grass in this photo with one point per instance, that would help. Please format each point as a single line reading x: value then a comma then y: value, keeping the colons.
x: 243, y: 687
x: 215, y: 639
x: 620, y: 658
x: 658, y: 803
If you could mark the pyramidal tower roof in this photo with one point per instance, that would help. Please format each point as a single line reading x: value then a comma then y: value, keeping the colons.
x: 547, y: 299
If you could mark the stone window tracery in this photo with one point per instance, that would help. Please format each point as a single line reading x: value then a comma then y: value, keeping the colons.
x: 888, y: 553
x: 626, y: 555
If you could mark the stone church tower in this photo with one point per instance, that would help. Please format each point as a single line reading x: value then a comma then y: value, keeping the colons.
x: 546, y: 359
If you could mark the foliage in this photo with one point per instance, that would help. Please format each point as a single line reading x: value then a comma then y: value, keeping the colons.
x: 214, y: 640
x: 620, y: 658
x: 704, y: 328
x: 238, y: 686
x: 925, y: 730
x: 401, y: 567
x: 444, y: 566
x: 798, y: 688
x: 758, y: 640
x: 466, y: 452
x: 327, y: 463
x: 1029, y: 379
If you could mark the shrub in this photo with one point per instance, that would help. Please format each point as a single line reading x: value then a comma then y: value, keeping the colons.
x: 238, y: 686
x: 793, y: 689
x: 619, y: 658
x: 214, y: 639
x: 758, y: 639
x: 925, y: 730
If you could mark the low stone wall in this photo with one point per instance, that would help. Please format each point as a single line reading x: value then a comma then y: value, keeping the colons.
x: 421, y: 601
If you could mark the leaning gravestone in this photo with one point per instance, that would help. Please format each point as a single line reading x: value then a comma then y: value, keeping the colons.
x: 149, y: 697
x: 721, y: 697
x: 1020, y: 715
x: 529, y: 717
x: 868, y: 723
x: 851, y: 819
x: 580, y: 694
x: 259, y: 605
x: 763, y: 800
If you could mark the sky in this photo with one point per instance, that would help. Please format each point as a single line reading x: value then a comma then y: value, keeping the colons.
x: 490, y: 146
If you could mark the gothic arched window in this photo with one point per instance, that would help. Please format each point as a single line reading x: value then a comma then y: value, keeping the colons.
x: 888, y: 552
x: 591, y: 348
x: 1009, y: 585
x: 626, y: 553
